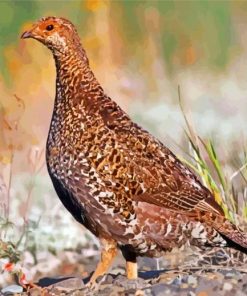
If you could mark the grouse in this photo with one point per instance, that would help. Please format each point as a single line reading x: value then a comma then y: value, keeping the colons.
x: 114, y: 177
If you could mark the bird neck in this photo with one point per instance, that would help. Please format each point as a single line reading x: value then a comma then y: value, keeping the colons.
x: 75, y: 79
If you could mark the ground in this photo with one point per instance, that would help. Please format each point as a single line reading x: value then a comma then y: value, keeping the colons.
x: 173, y: 275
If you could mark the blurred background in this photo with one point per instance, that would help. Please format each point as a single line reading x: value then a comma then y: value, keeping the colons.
x: 141, y: 52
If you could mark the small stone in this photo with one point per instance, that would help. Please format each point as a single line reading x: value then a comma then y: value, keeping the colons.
x: 230, y: 275
x: 202, y: 293
x: 35, y: 292
x: 139, y: 293
x: 117, y: 271
x: 177, y: 281
x: 227, y: 286
x: 69, y: 284
x: 167, y: 278
x: 130, y: 284
x: 184, y: 286
x: 214, y: 276
x: 159, y: 289
x: 244, y: 288
x: 108, y: 279
x: 116, y: 291
x: 192, y: 280
x: 12, y: 289
x: 235, y: 281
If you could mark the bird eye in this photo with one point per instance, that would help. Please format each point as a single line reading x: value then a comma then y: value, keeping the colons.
x: 49, y: 27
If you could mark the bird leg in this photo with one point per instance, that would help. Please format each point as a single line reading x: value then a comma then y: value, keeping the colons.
x: 131, y: 264
x: 131, y: 270
x: 108, y: 253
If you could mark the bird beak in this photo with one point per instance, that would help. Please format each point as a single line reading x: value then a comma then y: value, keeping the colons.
x: 27, y: 34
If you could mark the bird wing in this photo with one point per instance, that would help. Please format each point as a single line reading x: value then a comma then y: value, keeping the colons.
x: 164, y: 180
x: 155, y: 175
x: 178, y: 188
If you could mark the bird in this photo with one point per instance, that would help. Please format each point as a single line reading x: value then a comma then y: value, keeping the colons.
x: 115, y: 178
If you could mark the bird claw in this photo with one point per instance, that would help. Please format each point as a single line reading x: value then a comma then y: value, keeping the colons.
x: 94, y: 284
x: 91, y: 286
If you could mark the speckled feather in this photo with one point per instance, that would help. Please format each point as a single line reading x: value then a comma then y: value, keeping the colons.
x: 116, y: 178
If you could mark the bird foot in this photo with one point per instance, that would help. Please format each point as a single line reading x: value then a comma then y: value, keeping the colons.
x: 91, y: 288
x: 94, y: 284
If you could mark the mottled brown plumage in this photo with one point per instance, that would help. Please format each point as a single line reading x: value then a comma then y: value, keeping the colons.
x: 114, y: 177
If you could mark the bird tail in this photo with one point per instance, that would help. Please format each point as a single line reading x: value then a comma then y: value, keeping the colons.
x: 234, y: 236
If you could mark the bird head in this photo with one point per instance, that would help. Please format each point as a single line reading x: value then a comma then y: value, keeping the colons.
x: 56, y: 33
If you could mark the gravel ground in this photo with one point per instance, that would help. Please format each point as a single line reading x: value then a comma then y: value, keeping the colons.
x: 156, y: 278
x: 200, y: 283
